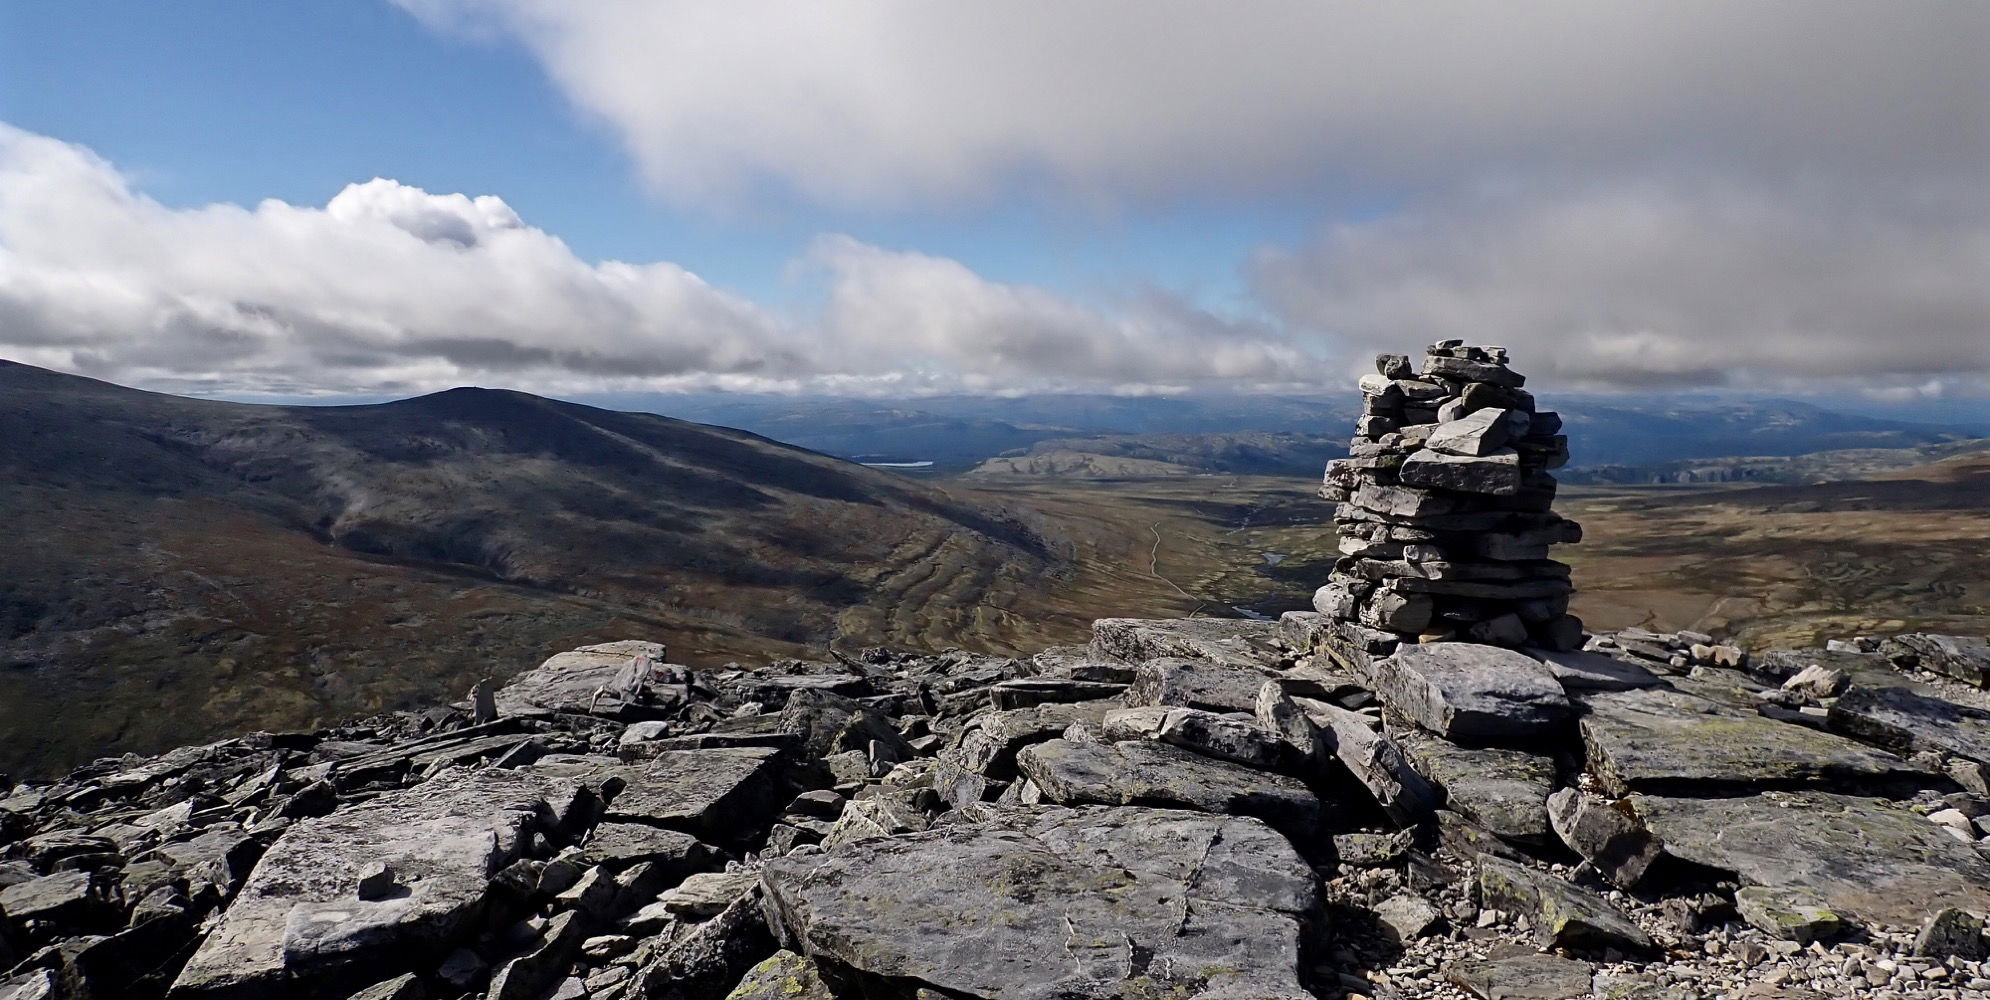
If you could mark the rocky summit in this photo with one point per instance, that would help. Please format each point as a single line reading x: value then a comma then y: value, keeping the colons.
x: 1435, y: 786
x: 1195, y: 808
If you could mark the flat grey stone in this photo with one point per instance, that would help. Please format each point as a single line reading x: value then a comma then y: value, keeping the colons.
x: 1375, y: 760
x: 1963, y: 657
x: 296, y: 918
x: 1562, y: 915
x: 1465, y: 691
x: 1792, y: 913
x: 1410, y: 916
x: 1042, y: 903
x: 1155, y: 774
x: 1234, y: 738
x: 1494, y: 474
x: 1181, y: 683
x: 1505, y: 791
x: 1522, y: 977
x: 1024, y: 692
x: 61, y: 897
x: 619, y: 845
x: 596, y: 679
x: 1236, y: 643
x: 1668, y: 742
x: 1907, y: 721
x: 1584, y: 671
x: 1480, y: 432
x: 1870, y: 859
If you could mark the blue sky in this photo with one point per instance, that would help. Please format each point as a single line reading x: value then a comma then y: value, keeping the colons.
x: 237, y: 102
x: 890, y: 197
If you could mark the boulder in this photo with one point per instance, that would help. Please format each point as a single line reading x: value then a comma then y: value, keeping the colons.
x: 1669, y: 742
x: 606, y: 679
x: 985, y: 752
x: 532, y: 975
x: 1505, y: 791
x: 1869, y: 859
x: 1562, y: 915
x: 1466, y: 691
x: 297, y: 919
x: 1155, y: 774
x: 1043, y: 902
x: 1409, y: 916
x: 1952, y: 933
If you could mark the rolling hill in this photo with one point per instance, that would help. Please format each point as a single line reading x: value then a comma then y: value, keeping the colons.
x: 176, y: 568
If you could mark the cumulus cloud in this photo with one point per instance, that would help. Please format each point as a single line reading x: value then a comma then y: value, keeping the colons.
x: 1656, y: 283
x: 392, y: 288
x: 385, y: 285
x: 915, y: 102
x: 941, y: 310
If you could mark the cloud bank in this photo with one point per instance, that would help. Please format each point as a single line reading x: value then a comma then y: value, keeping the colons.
x: 392, y: 288
x: 910, y: 102
x: 1656, y: 284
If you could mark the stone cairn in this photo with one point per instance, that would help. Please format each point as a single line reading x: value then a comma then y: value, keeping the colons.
x: 1445, y: 509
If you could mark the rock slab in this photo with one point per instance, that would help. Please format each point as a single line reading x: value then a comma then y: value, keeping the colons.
x: 1058, y: 903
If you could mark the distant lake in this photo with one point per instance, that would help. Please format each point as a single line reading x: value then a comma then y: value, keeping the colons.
x: 896, y: 465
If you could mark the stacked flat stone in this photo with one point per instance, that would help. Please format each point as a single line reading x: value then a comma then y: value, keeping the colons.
x: 1445, y: 509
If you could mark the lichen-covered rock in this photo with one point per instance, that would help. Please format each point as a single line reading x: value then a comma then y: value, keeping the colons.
x: 1666, y: 741
x: 783, y: 976
x: 1792, y: 913
x: 1048, y: 902
x: 1869, y: 859
x: 1562, y: 915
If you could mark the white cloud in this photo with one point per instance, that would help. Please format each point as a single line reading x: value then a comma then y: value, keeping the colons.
x: 898, y: 305
x: 1649, y: 284
x: 392, y: 288
x: 918, y: 102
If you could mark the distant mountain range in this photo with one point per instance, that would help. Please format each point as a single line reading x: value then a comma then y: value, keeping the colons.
x: 175, y: 568
x: 1612, y: 438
